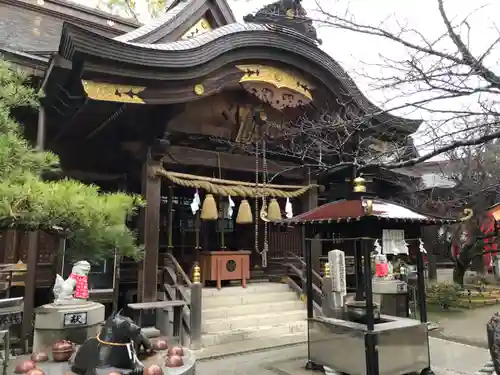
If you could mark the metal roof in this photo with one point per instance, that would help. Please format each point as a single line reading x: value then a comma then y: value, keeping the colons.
x: 349, y: 210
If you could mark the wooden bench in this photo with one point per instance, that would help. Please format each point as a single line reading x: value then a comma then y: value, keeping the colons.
x: 177, y: 306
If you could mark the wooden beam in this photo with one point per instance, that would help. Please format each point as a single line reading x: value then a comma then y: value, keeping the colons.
x: 178, y: 155
x: 151, y: 226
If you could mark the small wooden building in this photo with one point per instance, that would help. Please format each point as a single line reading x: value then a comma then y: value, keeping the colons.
x: 180, y: 95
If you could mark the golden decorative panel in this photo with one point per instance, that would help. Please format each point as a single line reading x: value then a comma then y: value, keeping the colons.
x: 113, y: 92
x: 200, y: 27
x: 276, y: 87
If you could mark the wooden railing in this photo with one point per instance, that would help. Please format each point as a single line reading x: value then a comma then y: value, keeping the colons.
x: 175, y: 284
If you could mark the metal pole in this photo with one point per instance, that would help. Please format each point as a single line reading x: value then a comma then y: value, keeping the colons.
x: 309, y: 284
x: 195, y: 313
x: 422, y: 303
x: 371, y: 352
x: 358, y: 258
x: 310, y: 365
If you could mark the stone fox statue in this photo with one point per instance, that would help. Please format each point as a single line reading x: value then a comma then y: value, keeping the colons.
x: 114, y: 348
x: 75, y: 288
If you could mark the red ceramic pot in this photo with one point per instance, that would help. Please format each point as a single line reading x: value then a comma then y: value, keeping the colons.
x: 40, y: 357
x: 62, y: 351
x: 174, y: 361
x: 153, y: 370
x: 175, y: 350
x: 24, y: 366
x: 35, y: 371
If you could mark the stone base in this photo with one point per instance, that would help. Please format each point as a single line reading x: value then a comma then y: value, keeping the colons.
x: 189, y: 367
x: 74, y: 322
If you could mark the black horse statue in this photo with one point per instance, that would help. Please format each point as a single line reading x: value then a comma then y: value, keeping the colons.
x: 115, y: 347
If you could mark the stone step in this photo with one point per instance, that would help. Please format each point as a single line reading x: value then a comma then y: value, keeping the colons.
x: 249, y: 346
x: 244, y: 322
x: 247, y: 299
x: 252, y: 309
x: 265, y: 287
x: 270, y: 332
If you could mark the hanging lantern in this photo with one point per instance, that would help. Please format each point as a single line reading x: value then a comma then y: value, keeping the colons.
x: 244, y: 213
x: 209, y: 208
x: 274, y: 211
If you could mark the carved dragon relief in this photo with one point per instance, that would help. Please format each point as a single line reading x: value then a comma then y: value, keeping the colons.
x: 275, y: 87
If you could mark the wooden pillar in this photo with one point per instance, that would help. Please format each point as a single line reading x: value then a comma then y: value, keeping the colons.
x: 151, y: 185
x: 32, y: 261
x: 30, y: 288
x: 310, y: 201
x: 40, y: 134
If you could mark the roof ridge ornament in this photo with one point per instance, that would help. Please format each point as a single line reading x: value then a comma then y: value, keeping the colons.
x: 359, y: 185
x: 289, y: 13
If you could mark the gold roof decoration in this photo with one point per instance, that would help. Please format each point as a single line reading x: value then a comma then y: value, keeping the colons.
x: 274, y: 86
x: 113, y: 92
x: 359, y: 185
x: 200, y: 27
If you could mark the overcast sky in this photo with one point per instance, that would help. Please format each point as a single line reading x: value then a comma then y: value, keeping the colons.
x: 360, y: 53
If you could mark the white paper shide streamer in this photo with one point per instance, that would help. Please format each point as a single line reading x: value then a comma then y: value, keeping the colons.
x: 230, y: 207
x: 421, y: 246
x: 288, y: 209
x: 195, y: 204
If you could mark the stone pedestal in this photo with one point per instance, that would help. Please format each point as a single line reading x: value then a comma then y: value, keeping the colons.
x: 75, y: 322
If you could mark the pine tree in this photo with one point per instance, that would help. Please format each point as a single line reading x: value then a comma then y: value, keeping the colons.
x: 95, y: 222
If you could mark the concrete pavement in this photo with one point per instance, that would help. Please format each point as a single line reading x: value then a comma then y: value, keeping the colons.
x: 448, y: 358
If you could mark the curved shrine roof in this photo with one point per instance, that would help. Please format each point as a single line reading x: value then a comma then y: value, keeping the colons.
x: 224, y: 45
x: 343, y: 211
x: 178, y: 14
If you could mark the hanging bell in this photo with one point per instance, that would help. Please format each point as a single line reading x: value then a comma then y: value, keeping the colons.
x: 209, y: 208
x: 244, y: 213
x: 273, y: 210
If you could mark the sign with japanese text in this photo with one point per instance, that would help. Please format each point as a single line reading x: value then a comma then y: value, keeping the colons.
x: 75, y: 319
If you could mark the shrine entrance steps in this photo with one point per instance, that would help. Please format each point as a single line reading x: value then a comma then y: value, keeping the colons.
x: 263, y: 315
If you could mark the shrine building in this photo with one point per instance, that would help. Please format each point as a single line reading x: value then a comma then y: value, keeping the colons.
x: 175, y: 108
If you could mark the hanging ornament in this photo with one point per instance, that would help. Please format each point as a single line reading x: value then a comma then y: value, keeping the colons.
x: 377, y: 247
x: 273, y: 210
x: 209, y: 208
x: 195, y: 204
x: 244, y: 213
x: 288, y: 209
x: 230, y: 208
x: 421, y: 246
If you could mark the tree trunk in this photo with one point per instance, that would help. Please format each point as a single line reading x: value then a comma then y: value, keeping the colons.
x: 459, y: 273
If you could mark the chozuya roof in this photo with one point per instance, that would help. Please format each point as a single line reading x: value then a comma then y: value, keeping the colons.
x: 139, y: 56
x: 352, y: 210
